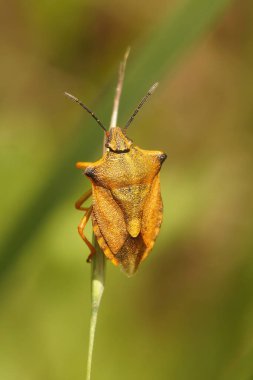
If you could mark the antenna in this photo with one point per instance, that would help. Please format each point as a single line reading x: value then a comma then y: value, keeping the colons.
x: 86, y: 108
x: 150, y: 92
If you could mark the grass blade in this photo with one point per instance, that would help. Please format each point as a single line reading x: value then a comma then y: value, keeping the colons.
x: 97, y: 289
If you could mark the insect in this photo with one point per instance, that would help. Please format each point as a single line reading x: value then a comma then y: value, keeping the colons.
x: 126, y: 210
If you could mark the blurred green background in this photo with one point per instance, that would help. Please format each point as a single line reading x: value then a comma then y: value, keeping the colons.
x: 188, y: 312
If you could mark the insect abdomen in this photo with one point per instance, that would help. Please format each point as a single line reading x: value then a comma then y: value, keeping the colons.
x: 131, y: 200
x: 130, y: 255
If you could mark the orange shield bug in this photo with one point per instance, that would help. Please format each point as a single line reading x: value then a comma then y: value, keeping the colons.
x: 126, y: 208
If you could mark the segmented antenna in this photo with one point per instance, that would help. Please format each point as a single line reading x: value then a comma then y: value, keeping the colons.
x: 86, y: 108
x: 150, y: 92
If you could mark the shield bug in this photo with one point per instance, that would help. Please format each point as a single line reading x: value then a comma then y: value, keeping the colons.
x: 126, y: 208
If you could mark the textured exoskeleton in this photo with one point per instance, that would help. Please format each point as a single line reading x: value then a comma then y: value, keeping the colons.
x: 126, y: 210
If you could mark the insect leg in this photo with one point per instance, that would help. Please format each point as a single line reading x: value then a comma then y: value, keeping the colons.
x: 81, y: 228
x: 82, y: 199
x: 83, y: 165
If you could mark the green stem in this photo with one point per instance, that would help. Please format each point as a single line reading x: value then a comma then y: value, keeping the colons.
x: 97, y: 289
x: 98, y: 262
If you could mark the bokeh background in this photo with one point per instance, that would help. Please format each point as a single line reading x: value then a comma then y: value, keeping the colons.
x: 188, y: 312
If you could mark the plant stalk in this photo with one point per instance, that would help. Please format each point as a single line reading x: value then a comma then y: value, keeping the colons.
x: 98, y: 261
x: 97, y: 289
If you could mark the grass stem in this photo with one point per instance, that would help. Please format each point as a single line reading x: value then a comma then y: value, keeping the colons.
x: 98, y: 262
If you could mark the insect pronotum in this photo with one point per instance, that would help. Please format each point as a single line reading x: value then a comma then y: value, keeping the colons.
x: 126, y: 210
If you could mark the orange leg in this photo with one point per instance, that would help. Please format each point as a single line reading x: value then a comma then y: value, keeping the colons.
x: 82, y: 199
x: 81, y: 228
x: 83, y: 165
